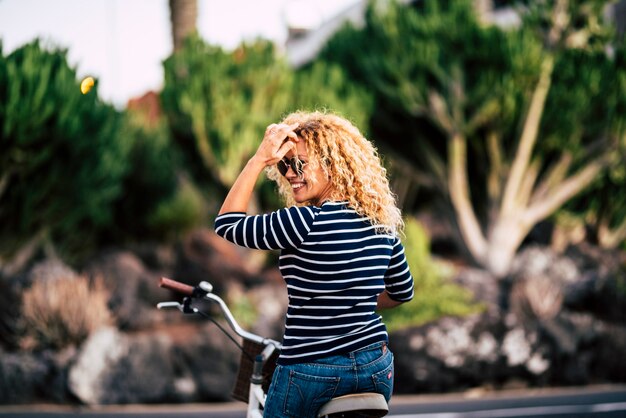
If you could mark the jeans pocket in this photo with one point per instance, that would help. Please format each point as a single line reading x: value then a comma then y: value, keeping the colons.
x: 306, y: 394
x: 383, y: 381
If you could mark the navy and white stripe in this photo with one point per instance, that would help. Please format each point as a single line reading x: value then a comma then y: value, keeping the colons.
x: 335, y: 265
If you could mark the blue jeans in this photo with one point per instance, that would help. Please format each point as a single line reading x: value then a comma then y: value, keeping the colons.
x: 299, y: 390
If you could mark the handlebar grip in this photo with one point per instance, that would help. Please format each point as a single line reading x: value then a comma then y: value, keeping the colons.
x: 178, y: 287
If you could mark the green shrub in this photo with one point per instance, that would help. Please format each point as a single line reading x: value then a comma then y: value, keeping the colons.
x: 149, y: 186
x: 435, y: 296
x: 219, y: 103
x: 324, y: 85
x: 179, y: 214
x: 62, y: 155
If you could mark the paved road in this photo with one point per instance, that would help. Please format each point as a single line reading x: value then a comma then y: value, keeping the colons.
x: 598, y: 402
x: 592, y: 402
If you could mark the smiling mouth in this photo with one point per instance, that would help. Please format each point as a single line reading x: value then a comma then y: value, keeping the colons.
x: 296, y: 186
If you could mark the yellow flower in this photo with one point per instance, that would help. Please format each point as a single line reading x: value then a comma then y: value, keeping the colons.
x: 86, y: 84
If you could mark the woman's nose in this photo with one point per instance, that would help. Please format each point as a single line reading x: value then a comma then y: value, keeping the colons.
x: 290, y: 172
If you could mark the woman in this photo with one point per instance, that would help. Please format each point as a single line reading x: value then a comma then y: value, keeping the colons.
x: 340, y: 257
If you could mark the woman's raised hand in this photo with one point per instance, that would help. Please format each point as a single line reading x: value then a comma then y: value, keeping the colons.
x: 278, y: 140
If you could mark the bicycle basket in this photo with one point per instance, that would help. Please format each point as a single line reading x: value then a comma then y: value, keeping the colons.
x: 242, y: 385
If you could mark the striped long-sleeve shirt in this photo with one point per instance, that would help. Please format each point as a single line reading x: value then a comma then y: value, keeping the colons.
x: 335, y: 265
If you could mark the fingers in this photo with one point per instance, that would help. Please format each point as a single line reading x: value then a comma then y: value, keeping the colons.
x: 278, y: 134
x: 271, y: 129
x: 292, y: 135
x: 281, y: 131
x: 277, y: 141
x: 286, y: 146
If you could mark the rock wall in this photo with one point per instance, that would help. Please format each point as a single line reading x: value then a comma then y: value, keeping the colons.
x: 557, y: 320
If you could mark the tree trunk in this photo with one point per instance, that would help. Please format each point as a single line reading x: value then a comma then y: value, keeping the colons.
x: 611, y: 238
x: 523, y: 154
x: 183, y: 16
x: 458, y: 188
x: 483, y: 9
x: 504, y: 239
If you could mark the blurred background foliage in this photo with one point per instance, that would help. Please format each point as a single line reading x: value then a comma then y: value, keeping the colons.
x: 159, y: 202
x: 217, y: 103
x: 64, y: 155
x: 435, y: 294
x: 446, y: 97
x: 504, y: 125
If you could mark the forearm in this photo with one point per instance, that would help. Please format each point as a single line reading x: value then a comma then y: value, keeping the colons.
x: 278, y: 139
x: 240, y: 194
x: 385, y: 302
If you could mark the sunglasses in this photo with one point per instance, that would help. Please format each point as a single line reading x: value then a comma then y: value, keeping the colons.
x: 296, y: 165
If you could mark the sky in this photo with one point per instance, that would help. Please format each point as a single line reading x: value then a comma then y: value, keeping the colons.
x: 123, y: 43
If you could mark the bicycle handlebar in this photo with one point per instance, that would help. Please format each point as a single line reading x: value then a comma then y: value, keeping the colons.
x: 178, y: 287
x: 204, y: 291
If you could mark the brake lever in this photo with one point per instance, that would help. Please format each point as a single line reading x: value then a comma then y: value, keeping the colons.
x: 184, y: 307
x: 162, y: 305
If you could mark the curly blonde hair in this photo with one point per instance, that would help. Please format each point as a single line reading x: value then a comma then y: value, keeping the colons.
x: 353, y: 164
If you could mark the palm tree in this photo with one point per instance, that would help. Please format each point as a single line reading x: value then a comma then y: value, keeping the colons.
x: 183, y: 15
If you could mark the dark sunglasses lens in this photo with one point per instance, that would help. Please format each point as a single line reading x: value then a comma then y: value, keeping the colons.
x: 283, y: 167
x: 296, y: 166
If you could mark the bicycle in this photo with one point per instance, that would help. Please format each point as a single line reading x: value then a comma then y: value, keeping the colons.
x: 258, y: 355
